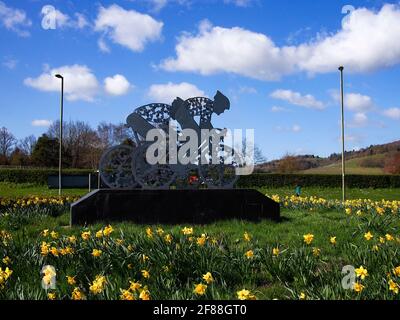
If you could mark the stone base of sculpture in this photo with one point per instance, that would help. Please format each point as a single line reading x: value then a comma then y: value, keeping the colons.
x: 200, y: 206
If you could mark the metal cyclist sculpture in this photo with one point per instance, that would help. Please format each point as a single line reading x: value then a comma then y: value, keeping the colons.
x: 162, y: 132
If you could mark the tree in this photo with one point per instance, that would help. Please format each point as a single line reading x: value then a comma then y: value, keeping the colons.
x: 45, y: 153
x: 288, y: 164
x: 18, y: 158
x: 7, y: 142
x: 392, y: 163
x: 27, y: 144
x: 79, y: 141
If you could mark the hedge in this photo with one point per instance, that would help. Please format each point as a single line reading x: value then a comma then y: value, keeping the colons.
x: 39, y: 176
x: 36, y: 176
x: 319, y: 180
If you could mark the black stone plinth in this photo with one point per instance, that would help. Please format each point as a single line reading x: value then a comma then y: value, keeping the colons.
x: 173, y: 206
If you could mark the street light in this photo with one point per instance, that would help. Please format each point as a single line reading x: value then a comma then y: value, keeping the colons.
x: 59, y: 76
x: 343, y: 163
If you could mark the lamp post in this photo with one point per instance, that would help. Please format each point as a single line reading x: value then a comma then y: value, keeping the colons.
x: 343, y: 163
x: 59, y: 76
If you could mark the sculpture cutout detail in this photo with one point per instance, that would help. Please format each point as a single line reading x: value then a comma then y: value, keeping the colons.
x: 126, y: 166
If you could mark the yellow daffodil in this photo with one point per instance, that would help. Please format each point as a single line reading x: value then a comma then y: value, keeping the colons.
x: 302, y: 296
x: 72, y: 239
x: 6, y: 260
x: 187, y: 231
x: 54, y: 251
x: 145, y: 274
x: 358, y: 287
x: 249, y: 254
x: 246, y: 237
x: 144, y: 294
x: 134, y: 286
x: 51, y: 295
x: 393, y: 286
x: 98, y: 284
x: 149, y: 233
x: 316, y: 251
x: 361, y: 272
x: 85, y: 235
x: 108, y: 230
x: 368, y: 236
x: 308, y: 238
x: 77, y: 294
x: 44, y: 249
x: 201, y: 241
x: 168, y: 238
x: 245, y: 295
x: 96, y: 253
x: 127, y: 295
x: 200, y: 289
x: 71, y: 280
x: 208, y: 278
x: 332, y: 240
x: 396, y: 271
x: 275, y: 251
x: 389, y: 237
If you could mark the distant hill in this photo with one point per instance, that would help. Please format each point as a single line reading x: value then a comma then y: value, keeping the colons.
x: 370, y: 160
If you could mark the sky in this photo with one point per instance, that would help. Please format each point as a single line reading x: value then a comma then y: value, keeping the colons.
x: 277, y: 62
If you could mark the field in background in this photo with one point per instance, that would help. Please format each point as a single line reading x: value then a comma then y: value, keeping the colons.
x: 352, y: 167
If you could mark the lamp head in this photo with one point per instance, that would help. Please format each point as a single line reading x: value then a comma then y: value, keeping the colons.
x: 59, y: 76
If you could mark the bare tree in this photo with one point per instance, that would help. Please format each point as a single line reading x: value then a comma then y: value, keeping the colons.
x: 7, y: 142
x: 27, y: 144
x: 80, y: 142
x: 113, y: 134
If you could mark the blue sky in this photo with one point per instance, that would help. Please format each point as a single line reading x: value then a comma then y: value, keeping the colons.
x: 276, y: 61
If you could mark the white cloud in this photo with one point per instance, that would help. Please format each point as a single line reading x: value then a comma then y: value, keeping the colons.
x: 352, y: 138
x: 298, y: 99
x: 158, y: 5
x: 79, y: 84
x: 296, y: 128
x: 355, y: 102
x: 167, y: 93
x: 366, y: 42
x: 359, y: 120
x: 103, y: 46
x: 117, y: 85
x: 393, y: 113
x: 10, y: 63
x: 81, y: 21
x: 277, y: 109
x: 235, y: 50
x: 42, y: 123
x: 247, y: 90
x: 128, y: 28
x: 14, y: 19
x: 240, y: 3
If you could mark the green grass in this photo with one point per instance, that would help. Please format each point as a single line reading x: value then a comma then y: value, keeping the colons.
x: 336, y: 193
x: 352, y: 167
x: 22, y: 190
x: 285, y: 277
x: 28, y: 189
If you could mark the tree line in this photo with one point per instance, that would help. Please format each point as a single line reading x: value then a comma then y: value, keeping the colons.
x: 82, y: 145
